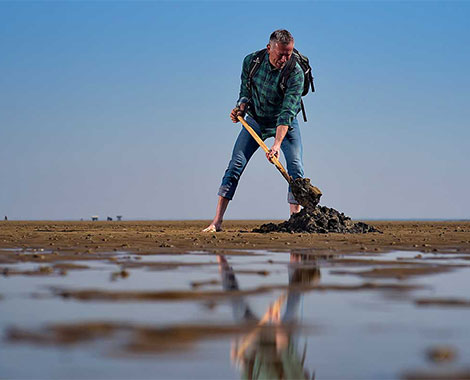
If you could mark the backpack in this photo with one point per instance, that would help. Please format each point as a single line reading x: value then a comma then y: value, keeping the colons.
x: 285, y: 73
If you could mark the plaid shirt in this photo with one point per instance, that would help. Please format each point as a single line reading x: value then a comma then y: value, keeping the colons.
x: 271, y: 107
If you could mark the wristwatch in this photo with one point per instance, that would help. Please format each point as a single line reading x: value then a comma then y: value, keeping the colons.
x: 242, y: 100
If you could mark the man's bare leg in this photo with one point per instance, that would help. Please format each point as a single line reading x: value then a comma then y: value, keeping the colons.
x: 216, y: 224
x: 294, y: 209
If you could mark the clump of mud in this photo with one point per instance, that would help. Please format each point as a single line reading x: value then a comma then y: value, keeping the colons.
x: 305, y: 193
x: 320, y: 219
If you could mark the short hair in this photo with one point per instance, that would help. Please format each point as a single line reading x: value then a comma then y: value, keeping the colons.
x: 281, y: 36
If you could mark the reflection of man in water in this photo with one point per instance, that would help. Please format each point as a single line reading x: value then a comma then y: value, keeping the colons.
x: 269, y: 350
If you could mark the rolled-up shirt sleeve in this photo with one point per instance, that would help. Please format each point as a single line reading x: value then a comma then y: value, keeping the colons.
x: 244, y: 93
x: 291, y: 103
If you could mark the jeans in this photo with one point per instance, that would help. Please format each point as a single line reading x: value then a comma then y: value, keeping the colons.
x: 241, y: 309
x: 246, y: 145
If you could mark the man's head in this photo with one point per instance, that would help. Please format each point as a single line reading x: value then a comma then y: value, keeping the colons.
x: 280, y: 48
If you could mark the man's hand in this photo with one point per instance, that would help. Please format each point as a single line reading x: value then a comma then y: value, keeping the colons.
x: 273, y: 152
x: 238, y: 111
x: 281, y: 131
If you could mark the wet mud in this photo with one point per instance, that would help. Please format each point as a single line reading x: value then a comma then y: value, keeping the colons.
x: 64, y: 333
x: 82, y: 241
x: 40, y: 271
x: 44, y: 270
x: 320, y: 220
x: 399, y: 273
x: 200, y: 284
x: 305, y: 193
x: 195, y: 294
x: 176, y: 338
x: 438, y: 375
x: 441, y: 354
x: 443, y: 302
x: 70, y: 266
x: 129, y: 338
x: 166, y: 265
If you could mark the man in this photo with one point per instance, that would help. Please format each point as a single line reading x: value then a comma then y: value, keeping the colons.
x: 271, y: 112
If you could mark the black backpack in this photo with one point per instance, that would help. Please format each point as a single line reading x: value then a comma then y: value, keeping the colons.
x: 285, y: 73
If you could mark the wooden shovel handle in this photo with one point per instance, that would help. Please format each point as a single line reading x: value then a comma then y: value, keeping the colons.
x: 261, y: 143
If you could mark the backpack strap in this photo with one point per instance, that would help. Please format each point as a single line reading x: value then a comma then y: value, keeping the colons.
x: 304, y: 114
x: 254, y: 66
x: 286, y: 71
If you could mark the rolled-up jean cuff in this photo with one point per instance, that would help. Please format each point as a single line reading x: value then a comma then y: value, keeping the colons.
x: 290, y: 199
x: 226, y: 192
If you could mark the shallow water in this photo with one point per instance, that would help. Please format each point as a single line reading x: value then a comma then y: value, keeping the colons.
x: 375, y: 333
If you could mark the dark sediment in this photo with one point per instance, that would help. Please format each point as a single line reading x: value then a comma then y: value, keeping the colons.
x: 321, y: 219
x: 444, y: 302
x: 313, y: 218
x: 307, y: 195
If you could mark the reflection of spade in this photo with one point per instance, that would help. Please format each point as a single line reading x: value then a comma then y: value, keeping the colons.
x: 269, y: 350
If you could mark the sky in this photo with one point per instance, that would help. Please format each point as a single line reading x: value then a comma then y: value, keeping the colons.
x: 121, y: 108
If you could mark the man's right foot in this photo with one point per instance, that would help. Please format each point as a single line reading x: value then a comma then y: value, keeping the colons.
x: 212, y: 228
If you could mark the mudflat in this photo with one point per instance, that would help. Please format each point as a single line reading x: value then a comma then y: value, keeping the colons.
x: 102, y: 294
x: 175, y: 236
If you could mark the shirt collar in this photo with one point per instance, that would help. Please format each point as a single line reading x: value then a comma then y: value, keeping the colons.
x: 270, y: 66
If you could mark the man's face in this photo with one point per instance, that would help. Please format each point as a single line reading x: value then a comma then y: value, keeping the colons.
x: 279, y: 53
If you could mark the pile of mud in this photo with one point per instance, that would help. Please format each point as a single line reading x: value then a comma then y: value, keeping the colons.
x: 321, y: 219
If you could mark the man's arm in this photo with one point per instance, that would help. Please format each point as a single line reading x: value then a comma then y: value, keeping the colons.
x: 244, y: 95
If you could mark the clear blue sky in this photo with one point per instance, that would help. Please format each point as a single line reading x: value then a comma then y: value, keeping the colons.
x: 114, y: 108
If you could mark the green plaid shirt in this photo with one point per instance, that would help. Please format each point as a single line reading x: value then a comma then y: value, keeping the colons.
x: 271, y: 107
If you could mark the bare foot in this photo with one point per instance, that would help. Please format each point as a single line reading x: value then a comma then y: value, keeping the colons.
x: 212, y: 228
x: 294, y: 209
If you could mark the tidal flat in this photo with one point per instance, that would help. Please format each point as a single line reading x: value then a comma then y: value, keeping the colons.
x: 160, y: 300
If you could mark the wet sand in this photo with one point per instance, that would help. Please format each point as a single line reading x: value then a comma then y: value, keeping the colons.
x: 114, y: 292
x: 174, y: 236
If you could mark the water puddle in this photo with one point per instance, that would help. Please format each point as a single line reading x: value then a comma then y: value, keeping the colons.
x: 241, y: 314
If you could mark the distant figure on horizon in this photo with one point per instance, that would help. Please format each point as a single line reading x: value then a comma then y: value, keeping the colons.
x: 271, y: 111
x: 6, y: 217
